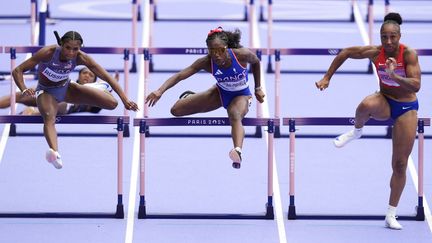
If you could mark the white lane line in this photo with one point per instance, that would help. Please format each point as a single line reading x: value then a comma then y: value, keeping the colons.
x: 411, y: 168
x: 276, y: 189
x: 130, y: 217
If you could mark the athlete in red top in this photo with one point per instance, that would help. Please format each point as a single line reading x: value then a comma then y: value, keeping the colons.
x: 399, y: 73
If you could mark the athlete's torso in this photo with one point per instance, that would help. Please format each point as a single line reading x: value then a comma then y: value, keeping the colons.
x: 233, y: 78
x: 55, y: 70
x: 380, y: 64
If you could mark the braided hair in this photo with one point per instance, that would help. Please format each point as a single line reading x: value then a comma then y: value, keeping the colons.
x: 230, y: 38
x: 70, y: 35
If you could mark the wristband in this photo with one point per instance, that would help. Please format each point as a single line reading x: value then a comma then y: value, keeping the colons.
x: 22, y: 92
x: 258, y: 88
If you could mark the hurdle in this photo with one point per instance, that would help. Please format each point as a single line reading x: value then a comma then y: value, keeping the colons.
x: 148, y: 52
x: 349, y: 121
x: 155, y: 13
x: 144, y: 123
x: 45, y: 15
x: 120, y: 121
x: 136, y: 10
x: 13, y: 50
x: 270, y: 7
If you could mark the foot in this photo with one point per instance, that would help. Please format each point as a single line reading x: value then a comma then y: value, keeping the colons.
x: 54, y: 158
x: 186, y: 94
x: 347, y: 137
x: 235, y: 156
x: 392, y: 223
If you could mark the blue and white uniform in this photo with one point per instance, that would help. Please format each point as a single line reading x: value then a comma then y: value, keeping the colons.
x: 231, y: 81
x: 55, y: 71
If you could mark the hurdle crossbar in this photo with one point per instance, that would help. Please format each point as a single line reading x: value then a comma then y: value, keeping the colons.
x: 120, y: 121
x: 144, y: 123
x: 349, y: 121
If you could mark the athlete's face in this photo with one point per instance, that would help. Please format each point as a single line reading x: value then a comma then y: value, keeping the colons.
x: 390, y: 36
x: 86, y: 76
x: 218, y: 51
x: 70, y: 49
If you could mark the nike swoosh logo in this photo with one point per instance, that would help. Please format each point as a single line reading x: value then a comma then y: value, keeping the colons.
x: 406, y: 107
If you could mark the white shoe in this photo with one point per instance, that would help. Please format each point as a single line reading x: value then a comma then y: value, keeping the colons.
x: 392, y: 223
x: 54, y: 158
x: 345, y: 138
x: 235, y: 156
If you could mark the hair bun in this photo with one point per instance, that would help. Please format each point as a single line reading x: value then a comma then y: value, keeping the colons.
x: 393, y: 17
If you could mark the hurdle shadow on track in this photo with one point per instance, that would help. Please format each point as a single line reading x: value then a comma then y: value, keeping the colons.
x: 144, y: 123
x: 120, y: 121
x: 349, y: 121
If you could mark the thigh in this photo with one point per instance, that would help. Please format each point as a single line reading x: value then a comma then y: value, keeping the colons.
x: 80, y: 94
x: 206, y: 101
x: 377, y: 106
x: 239, y: 106
x: 404, y: 134
x: 47, y: 105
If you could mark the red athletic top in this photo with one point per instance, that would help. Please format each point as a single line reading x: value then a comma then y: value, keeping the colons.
x: 384, y: 78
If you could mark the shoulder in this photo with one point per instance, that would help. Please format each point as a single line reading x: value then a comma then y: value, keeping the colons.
x: 245, y: 54
x: 409, y: 51
x: 83, y: 58
x: 46, y: 51
x: 202, y: 62
x: 410, y: 54
x: 242, y: 51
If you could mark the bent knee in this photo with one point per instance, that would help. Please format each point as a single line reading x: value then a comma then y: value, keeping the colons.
x: 176, y: 111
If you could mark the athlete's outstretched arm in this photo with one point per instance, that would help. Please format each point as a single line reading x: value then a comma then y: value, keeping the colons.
x: 355, y: 52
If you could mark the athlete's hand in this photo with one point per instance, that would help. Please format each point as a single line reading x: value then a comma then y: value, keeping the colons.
x: 391, y: 65
x: 28, y: 92
x: 322, y: 84
x: 130, y: 105
x: 259, y: 95
x: 153, y: 98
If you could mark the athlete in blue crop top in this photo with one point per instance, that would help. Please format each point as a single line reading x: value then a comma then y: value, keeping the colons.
x: 227, y: 61
x: 399, y: 73
x: 54, y: 86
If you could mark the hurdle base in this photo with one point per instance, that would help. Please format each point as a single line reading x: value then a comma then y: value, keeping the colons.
x: 277, y: 133
x: 420, y: 213
x: 292, y: 212
x: 258, y: 132
x: 126, y: 132
x: 205, y: 216
x: 119, y: 212
x: 12, y: 130
x: 59, y: 215
x: 142, y: 212
x: 350, y: 217
x: 269, y: 212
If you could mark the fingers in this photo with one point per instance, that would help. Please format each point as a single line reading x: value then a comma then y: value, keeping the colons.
x: 131, y: 106
x: 320, y: 86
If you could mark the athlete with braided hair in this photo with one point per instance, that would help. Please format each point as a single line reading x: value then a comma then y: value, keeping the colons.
x: 54, y: 85
x: 227, y: 61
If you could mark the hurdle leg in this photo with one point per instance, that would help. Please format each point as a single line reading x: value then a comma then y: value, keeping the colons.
x: 142, y: 207
x: 420, y: 209
x: 291, y: 208
x: 120, y: 210
x: 270, y: 150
